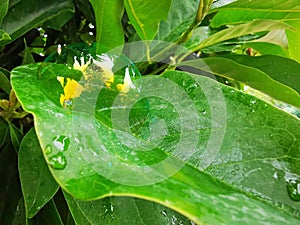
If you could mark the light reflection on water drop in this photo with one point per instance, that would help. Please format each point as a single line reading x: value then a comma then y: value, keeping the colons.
x: 293, y: 189
x: 61, y: 142
x: 58, y: 161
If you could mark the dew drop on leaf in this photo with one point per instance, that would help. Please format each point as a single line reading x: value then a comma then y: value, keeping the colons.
x: 293, y: 189
x: 164, y: 213
x: 58, y: 161
x: 61, y: 142
x: 48, y: 149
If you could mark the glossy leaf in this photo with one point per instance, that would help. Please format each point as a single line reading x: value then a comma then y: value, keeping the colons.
x: 18, y: 21
x: 38, y: 185
x: 3, y: 9
x: 94, y: 166
x: 109, y: 29
x: 123, y: 210
x: 241, y: 30
x: 250, y: 76
x: 283, y: 70
x: 248, y: 10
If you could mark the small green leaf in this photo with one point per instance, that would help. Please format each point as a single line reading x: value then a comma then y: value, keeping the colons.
x: 38, y: 185
x: 4, y: 36
x: 4, y: 83
x: 3, y: 9
x: 16, y: 136
x: 27, y: 58
x: 109, y: 31
x: 250, y: 76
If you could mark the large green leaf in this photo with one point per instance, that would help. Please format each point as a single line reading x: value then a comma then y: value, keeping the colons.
x: 248, y: 10
x: 109, y: 29
x: 123, y: 210
x: 38, y: 185
x: 256, y: 78
x: 253, y: 147
x: 18, y: 21
x: 283, y: 70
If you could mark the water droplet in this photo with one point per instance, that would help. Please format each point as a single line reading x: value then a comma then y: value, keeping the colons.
x: 164, y: 213
x: 203, y: 112
x: 293, y: 188
x: 275, y: 175
x: 58, y: 161
x: 252, y: 102
x: 233, y: 173
x: 48, y: 149
x: 236, y: 167
x: 61, y: 142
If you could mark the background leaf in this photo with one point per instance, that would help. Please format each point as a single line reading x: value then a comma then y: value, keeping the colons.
x: 283, y: 70
x: 3, y: 9
x: 18, y: 21
x: 241, y: 30
x: 145, y: 16
x: 10, y: 190
x: 247, y: 10
x: 194, y: 193
x: 38, y: 185
x: 4, y: 83
x: 181, y: 15
x: 251, y: 76
x: 108, y: 23
x: 16, y: 136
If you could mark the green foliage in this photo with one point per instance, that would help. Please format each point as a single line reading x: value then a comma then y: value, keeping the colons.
x: 208, y: 135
